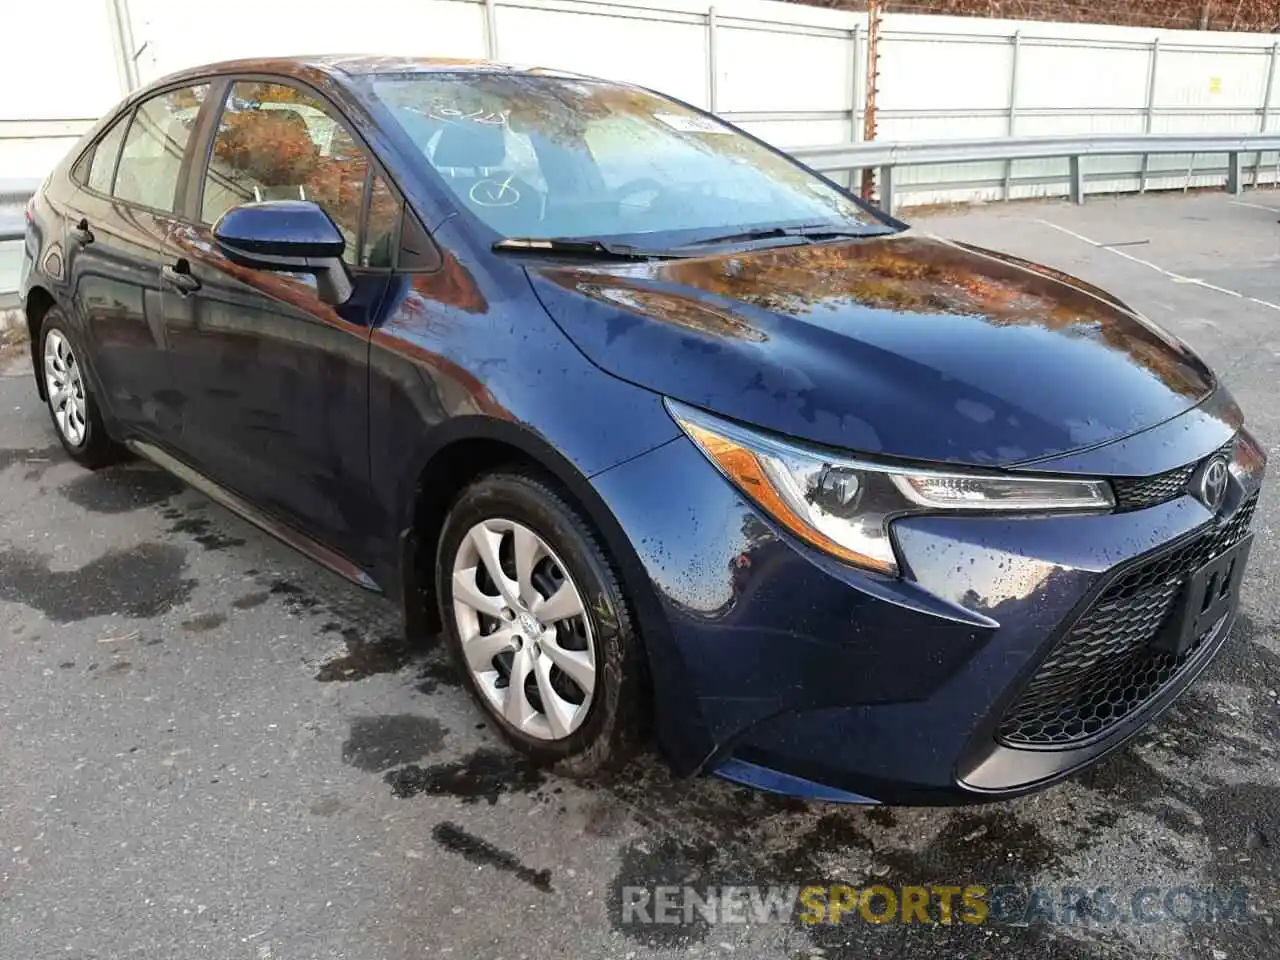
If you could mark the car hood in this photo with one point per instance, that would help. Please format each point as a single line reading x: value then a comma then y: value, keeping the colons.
x: 906, y: 346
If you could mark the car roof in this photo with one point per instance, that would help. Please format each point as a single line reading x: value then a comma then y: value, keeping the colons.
x: 358, y: 65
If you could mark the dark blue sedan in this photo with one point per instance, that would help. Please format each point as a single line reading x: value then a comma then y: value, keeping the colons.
x: 660, y: 428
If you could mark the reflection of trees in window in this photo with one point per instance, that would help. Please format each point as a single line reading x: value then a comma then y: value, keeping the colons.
x: 187, y: 98
x: 382, y: 228
x: 277, y: 142
x: 617, y: 129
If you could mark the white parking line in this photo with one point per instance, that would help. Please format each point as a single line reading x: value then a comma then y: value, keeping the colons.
x: 1175, y: 277
x: 1255, y: 206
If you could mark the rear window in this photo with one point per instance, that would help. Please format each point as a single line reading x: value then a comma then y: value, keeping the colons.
x: 155, y: 145
x: 102, y: 158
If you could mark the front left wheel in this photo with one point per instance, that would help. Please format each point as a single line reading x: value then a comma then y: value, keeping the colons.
x: 538, y: 625
x: 72, y: 406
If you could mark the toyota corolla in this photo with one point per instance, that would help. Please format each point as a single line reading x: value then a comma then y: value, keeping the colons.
x: 661, y: 429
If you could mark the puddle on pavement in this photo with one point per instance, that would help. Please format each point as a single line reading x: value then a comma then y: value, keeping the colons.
x: 296, y: 600
x: 121, y: 489
x: 202, y: 530
x: 481, y: 852
x: 251, y: 600
x: 203, y: 622
x: 141, y: 581
x: 366, y: 657
x: 438, y: 671
x: 483, y: 776
x: 375, y: 744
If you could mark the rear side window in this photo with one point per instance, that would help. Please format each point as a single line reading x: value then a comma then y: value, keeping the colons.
x: 151, y: 160
x: 103, y: 166
x: 278, y: 142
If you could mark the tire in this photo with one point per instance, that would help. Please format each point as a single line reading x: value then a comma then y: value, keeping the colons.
x: 587, y: 731
x: 72, y: 406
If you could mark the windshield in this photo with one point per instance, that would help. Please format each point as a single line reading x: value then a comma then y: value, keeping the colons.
x: 551, y: 157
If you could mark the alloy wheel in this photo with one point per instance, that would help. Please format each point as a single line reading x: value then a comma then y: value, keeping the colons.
x: 523, y: 629
x: 65, y: 387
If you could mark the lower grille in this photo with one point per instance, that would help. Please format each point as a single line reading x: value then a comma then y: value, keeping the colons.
x: 1105, y: 668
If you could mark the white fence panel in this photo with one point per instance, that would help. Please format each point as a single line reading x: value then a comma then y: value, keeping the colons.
x: 1212, y: 81
x: 174, y: 34
x: 953, y: 74
x: 613, y: 43
x: 792, y: 74
x: 1055, y: 75
x: 50, y: 94
x: 765, y: 71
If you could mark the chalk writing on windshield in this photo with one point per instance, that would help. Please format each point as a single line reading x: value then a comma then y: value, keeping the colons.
x: 448, y: 114
x: 495, y: 193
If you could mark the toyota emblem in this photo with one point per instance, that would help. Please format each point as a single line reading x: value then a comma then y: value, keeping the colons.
x: 1212, y: 486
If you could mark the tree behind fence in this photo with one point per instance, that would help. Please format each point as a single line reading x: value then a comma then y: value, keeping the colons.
x: 1247, y: 15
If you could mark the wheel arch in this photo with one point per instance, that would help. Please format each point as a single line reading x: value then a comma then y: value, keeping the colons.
x: 467, y: 448
x: 39, y: 302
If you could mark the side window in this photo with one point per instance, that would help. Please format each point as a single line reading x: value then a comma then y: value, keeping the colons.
x: 382, y: 226
x: 278, y: 142
x: 102, y: 168
x: 153, y: 149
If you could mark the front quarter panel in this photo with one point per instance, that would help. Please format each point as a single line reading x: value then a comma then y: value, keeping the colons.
x: 468, y: 352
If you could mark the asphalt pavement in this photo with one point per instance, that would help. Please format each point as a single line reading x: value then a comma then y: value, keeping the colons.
x: 211, y: 748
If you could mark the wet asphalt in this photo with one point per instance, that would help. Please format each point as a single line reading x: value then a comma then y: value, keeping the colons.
x: 211, y: 748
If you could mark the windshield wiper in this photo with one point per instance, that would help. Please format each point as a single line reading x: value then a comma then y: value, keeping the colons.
x: 581, y: 247
x: 805, y: 232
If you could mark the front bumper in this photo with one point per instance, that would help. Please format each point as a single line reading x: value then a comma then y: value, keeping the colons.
x: 780, y: 667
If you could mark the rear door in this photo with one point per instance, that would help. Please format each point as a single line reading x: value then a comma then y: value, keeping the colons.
x: 120, y: 226
x: 273, y: 380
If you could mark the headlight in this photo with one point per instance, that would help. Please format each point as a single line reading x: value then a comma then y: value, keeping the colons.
x: 843, y: 506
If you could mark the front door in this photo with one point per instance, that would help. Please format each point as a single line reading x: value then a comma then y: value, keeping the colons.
x: 274, y: 381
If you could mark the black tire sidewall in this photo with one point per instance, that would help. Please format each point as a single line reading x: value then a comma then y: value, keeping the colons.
x: 536, y: 506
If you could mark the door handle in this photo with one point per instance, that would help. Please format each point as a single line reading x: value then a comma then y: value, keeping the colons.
x: 178, y: 275
x: 81, y: 231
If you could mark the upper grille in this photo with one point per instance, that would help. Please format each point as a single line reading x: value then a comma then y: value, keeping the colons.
x: 1105, y: 667
x: 1137, y: 493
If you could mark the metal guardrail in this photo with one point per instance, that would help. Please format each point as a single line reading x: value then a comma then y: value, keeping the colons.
x: 14, y: 195
x: 886, y: 157
x: 13, y: 198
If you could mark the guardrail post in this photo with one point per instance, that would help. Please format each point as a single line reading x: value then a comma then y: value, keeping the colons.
x: 886, y: 189
x: 1148, y: 120
x: 1013, y: 104
x: 1265, y: 119
x: 1235, y: 179
x: 1077, y: 180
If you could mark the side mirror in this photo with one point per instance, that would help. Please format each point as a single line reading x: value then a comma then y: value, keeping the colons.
x: 291, y: 235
